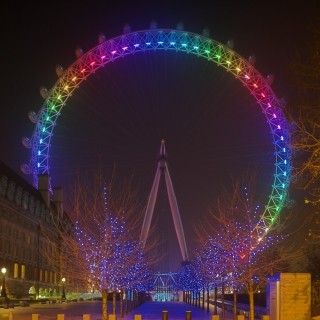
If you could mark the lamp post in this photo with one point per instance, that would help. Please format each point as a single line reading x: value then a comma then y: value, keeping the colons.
x: 3, y: 289
x: 63, y: 290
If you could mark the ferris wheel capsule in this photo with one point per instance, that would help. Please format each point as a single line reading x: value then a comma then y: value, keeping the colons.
x: 180, y: 26
x: 230, y: 44
x: 32, y: 116
x: 26, y: 142
x: 153, y: 25
x: 102, y: 38
x: 270, y: 79
x: 206, y: 32
x: 252, y: 59
x: 126, y: 29
x: 43, y: 92
x: 79, y: 52
x: 59, y: 70
x: 25, y: 168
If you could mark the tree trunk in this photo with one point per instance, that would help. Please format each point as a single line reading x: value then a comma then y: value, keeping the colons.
x: 114, y: 302
x: 203, y: 293
x: 251, y: 300
x: 235, y: 302
x: 104, y: 304
x: 222, y: 302
x: 121, y: 304
x: 127, y: 302
x: 208, y: 302
x: 215, y: 300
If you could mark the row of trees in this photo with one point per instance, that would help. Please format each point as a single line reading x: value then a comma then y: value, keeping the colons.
x: 100, y: 245
x: 233, y: 253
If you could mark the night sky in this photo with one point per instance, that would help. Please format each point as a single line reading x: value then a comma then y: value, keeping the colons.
x: 214, y: 130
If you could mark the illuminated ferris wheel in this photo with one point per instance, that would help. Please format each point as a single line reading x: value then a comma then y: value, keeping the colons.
x: 177, y: 40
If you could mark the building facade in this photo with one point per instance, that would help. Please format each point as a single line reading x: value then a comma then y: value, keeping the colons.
x: 31, y: 246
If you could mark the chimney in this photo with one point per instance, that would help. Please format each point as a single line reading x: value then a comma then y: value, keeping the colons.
x: 58, y: 200
x: 43, y: 187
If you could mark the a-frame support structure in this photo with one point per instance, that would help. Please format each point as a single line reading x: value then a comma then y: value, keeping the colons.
x: 163, y: 169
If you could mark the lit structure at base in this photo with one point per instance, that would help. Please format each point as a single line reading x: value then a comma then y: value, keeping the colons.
x: 165, y: 287
x: 182, y: 41
x: 163, y: 169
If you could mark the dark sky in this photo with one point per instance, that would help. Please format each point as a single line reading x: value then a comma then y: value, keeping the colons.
x: 213, y: 128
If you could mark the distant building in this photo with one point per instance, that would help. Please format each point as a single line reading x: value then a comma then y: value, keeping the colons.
x: 31, y: 248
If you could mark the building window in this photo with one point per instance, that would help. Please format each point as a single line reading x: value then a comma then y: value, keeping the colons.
x: 23, y: 271
x: 16, y: 270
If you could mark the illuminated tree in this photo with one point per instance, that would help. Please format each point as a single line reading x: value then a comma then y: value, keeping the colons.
x: 108, y: 236
x: 102, y: 246
x: 211, y: 265
x: 247, y: 254
x: 189, y: 280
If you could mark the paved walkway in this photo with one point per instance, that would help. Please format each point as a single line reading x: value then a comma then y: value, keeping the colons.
x: 147, y: 311
x: 175, y: 311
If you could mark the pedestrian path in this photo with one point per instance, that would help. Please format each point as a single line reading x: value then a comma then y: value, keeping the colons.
x: 174, y: 311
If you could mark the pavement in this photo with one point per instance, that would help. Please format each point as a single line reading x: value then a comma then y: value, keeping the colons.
x: 146, y: 311
x: 174, y: 311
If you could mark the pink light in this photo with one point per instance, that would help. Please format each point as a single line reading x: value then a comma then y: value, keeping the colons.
x: 274, y: 115
x: 255, y: 85
x: 103, y: 57
x: 92, y: 63
x: 247, y: 76
x: 113, y: 52
x: 83, y: 70
x: 263, y: 94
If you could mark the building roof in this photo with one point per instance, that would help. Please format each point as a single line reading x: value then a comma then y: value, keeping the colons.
x: 8, y: 172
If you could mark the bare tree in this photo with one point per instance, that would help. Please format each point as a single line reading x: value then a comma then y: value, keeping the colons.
x: 248, y: 251
x: 304, y: 114
x: 100, y: 245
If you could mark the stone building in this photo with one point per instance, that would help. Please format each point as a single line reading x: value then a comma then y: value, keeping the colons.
x: 31, y: 247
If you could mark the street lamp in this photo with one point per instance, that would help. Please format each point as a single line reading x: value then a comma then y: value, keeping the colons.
x: 63, y: 290
x: 3, y: 289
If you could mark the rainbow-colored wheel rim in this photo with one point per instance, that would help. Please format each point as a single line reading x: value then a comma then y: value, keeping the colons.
x: 180, y: 41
